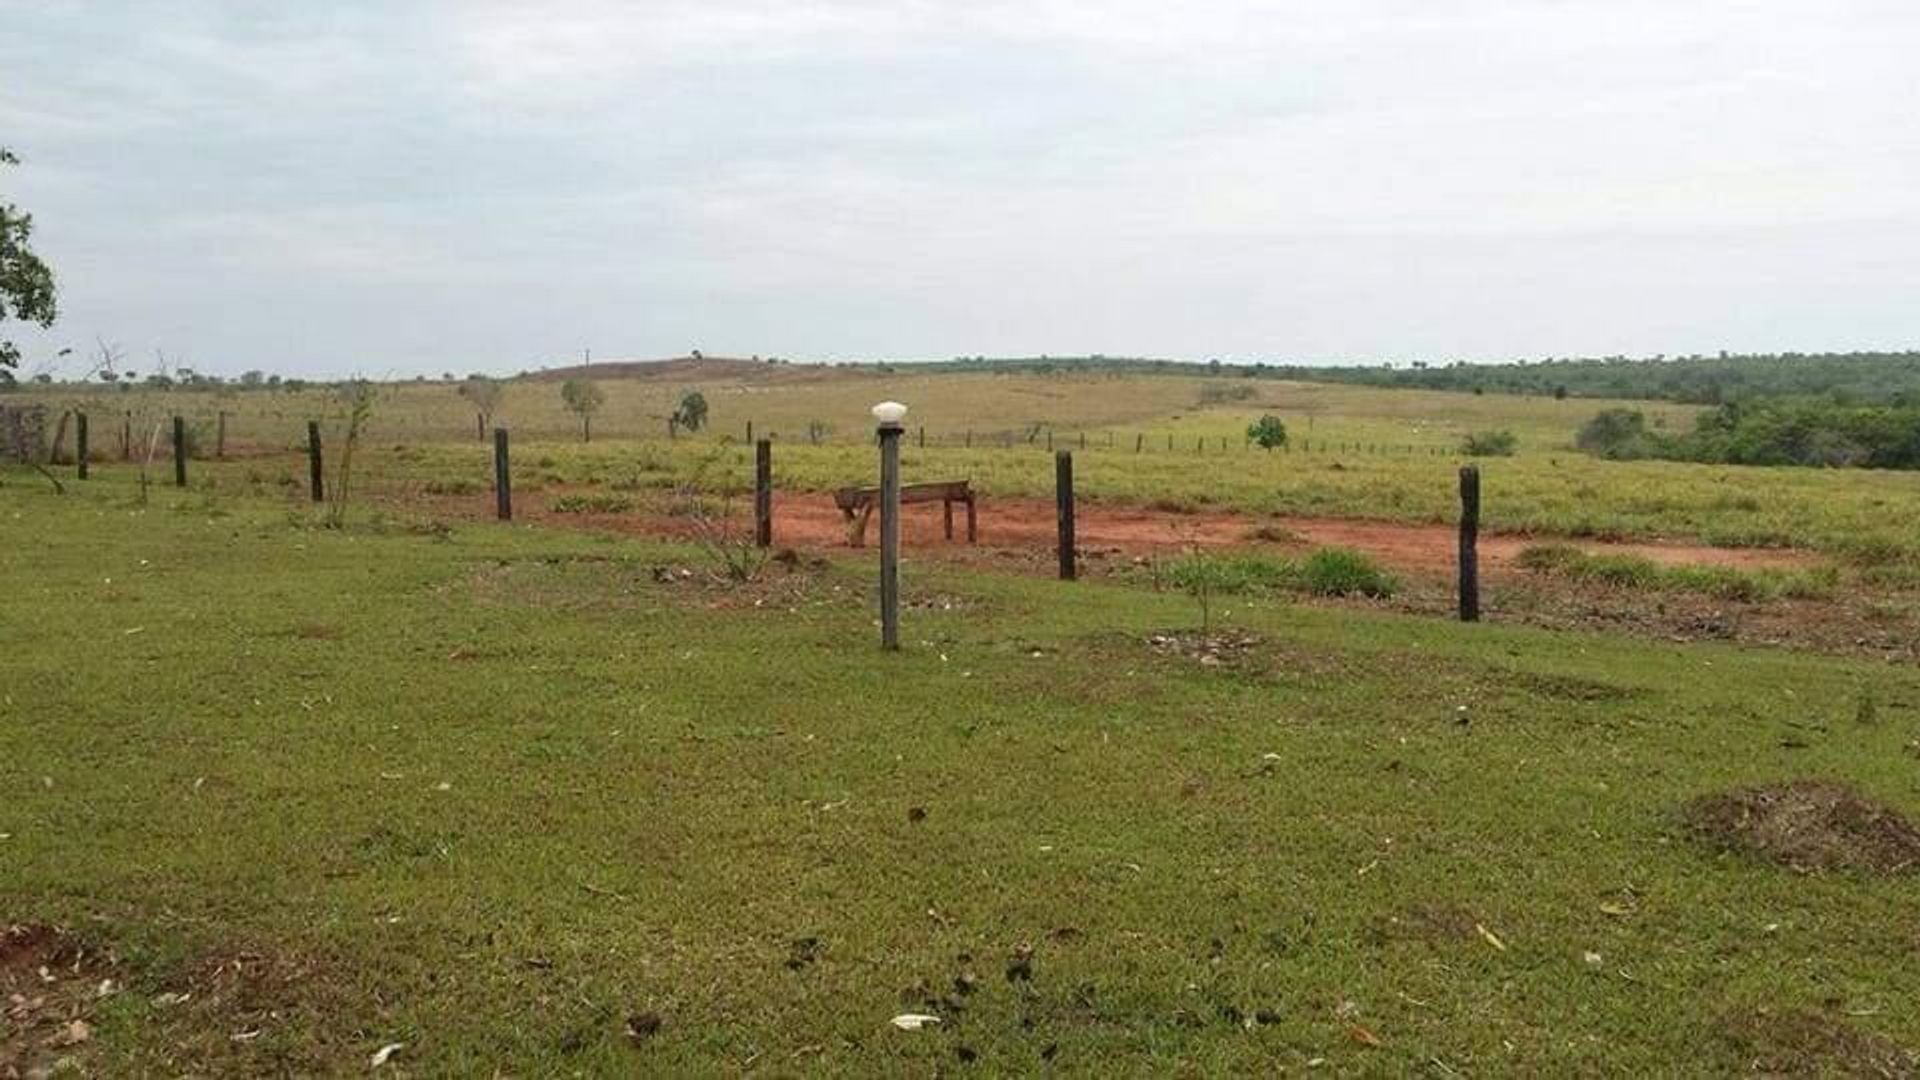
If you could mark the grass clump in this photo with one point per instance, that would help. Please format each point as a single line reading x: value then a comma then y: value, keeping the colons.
x: 592, y: 503
x: 1345, y: 572
x: 1324, y: 572
x: 458, y: 485
x: 1640, y: 572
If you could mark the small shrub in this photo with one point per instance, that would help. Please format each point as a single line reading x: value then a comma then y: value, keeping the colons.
x: 1268, y: 432
x: 1615, y: 433
x: 1500, y: 443
x: 1345, y: 572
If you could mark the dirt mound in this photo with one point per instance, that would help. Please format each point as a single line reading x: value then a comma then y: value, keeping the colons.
x: 1808, y: 825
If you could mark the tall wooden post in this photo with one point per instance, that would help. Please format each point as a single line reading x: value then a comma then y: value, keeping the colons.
x: 1469, y: 544
x: 502, y: 476
x: 890, y: 535
x: 1139, y: 442
x: 923, y: 437
x: 126, y: 436
x: 220, y: 437
x: 179, y: 451
x: 749, y: 432
x: 763, y: 493
x: 316, y: 472
x: 480, y: 426
x: 81, y: 450
x: 1063, y: 510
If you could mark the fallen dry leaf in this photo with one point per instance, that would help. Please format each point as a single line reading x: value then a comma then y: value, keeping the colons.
x: 73, y: 1034
x: 1361, y: 1035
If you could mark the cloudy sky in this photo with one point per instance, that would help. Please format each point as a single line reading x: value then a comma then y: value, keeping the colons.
x: 386, y: 188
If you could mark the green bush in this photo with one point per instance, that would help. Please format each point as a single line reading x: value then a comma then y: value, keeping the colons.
x: 1501, y: 443
x: 1345, y: 572
x: 1268, y: 432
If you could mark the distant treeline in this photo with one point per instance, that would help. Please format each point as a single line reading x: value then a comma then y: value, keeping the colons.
x: 1778, y: 431
x: 1891, y: 378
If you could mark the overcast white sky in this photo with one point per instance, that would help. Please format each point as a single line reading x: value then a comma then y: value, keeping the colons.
x: 385, y: 188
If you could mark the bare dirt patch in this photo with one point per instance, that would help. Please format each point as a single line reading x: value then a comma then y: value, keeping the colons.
x: 1797, y: 1042
x: 809, y: 520
x: 1212, y: 649
x: 49, y: 983
x: 1808, y: 826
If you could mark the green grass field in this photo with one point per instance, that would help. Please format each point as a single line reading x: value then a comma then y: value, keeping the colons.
x: 1357, y: 452
x: 499, y: 793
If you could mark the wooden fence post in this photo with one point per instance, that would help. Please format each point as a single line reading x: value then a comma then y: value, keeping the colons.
x: 502, y: 476
x: 749, y: 432
x: 889, y: 535
x: 220, y: 437
x: 1063, y: 510
x: 126, y: 437
x: 179, y: 451
x: 763, y: 493
x: 81, y: 451
x: 480, y: 426
x: 1469, y: 543
x: 923, y: 438
x: 1139, y: 442
x: 316, y: 474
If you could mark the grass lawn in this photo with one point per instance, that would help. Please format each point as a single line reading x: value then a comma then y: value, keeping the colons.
x: 504, y: 793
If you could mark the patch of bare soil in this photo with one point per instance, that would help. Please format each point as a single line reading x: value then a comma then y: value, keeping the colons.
x: 1431, y: 923
x: 1221, y: 647
x: 49, y: 984
x: 1802, y: 1043
x: 1808, y: 826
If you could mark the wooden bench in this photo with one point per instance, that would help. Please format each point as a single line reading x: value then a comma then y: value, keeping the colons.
x: 858, y: 504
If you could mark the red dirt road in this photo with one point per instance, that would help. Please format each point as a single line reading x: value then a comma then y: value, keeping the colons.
x: 812, y: 521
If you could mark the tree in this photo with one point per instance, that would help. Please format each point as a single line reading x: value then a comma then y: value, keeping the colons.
x: 484, y: 395
x: 1614, y: 433
x: 692, y: 412
x: 583, y: 397
x: 1269, y: 432
x: 26, y: 283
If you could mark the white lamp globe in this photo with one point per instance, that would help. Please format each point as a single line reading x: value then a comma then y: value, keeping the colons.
x: 889, y: 413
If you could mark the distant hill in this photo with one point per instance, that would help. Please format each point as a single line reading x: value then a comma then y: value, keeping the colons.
x: 1891, y: 378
